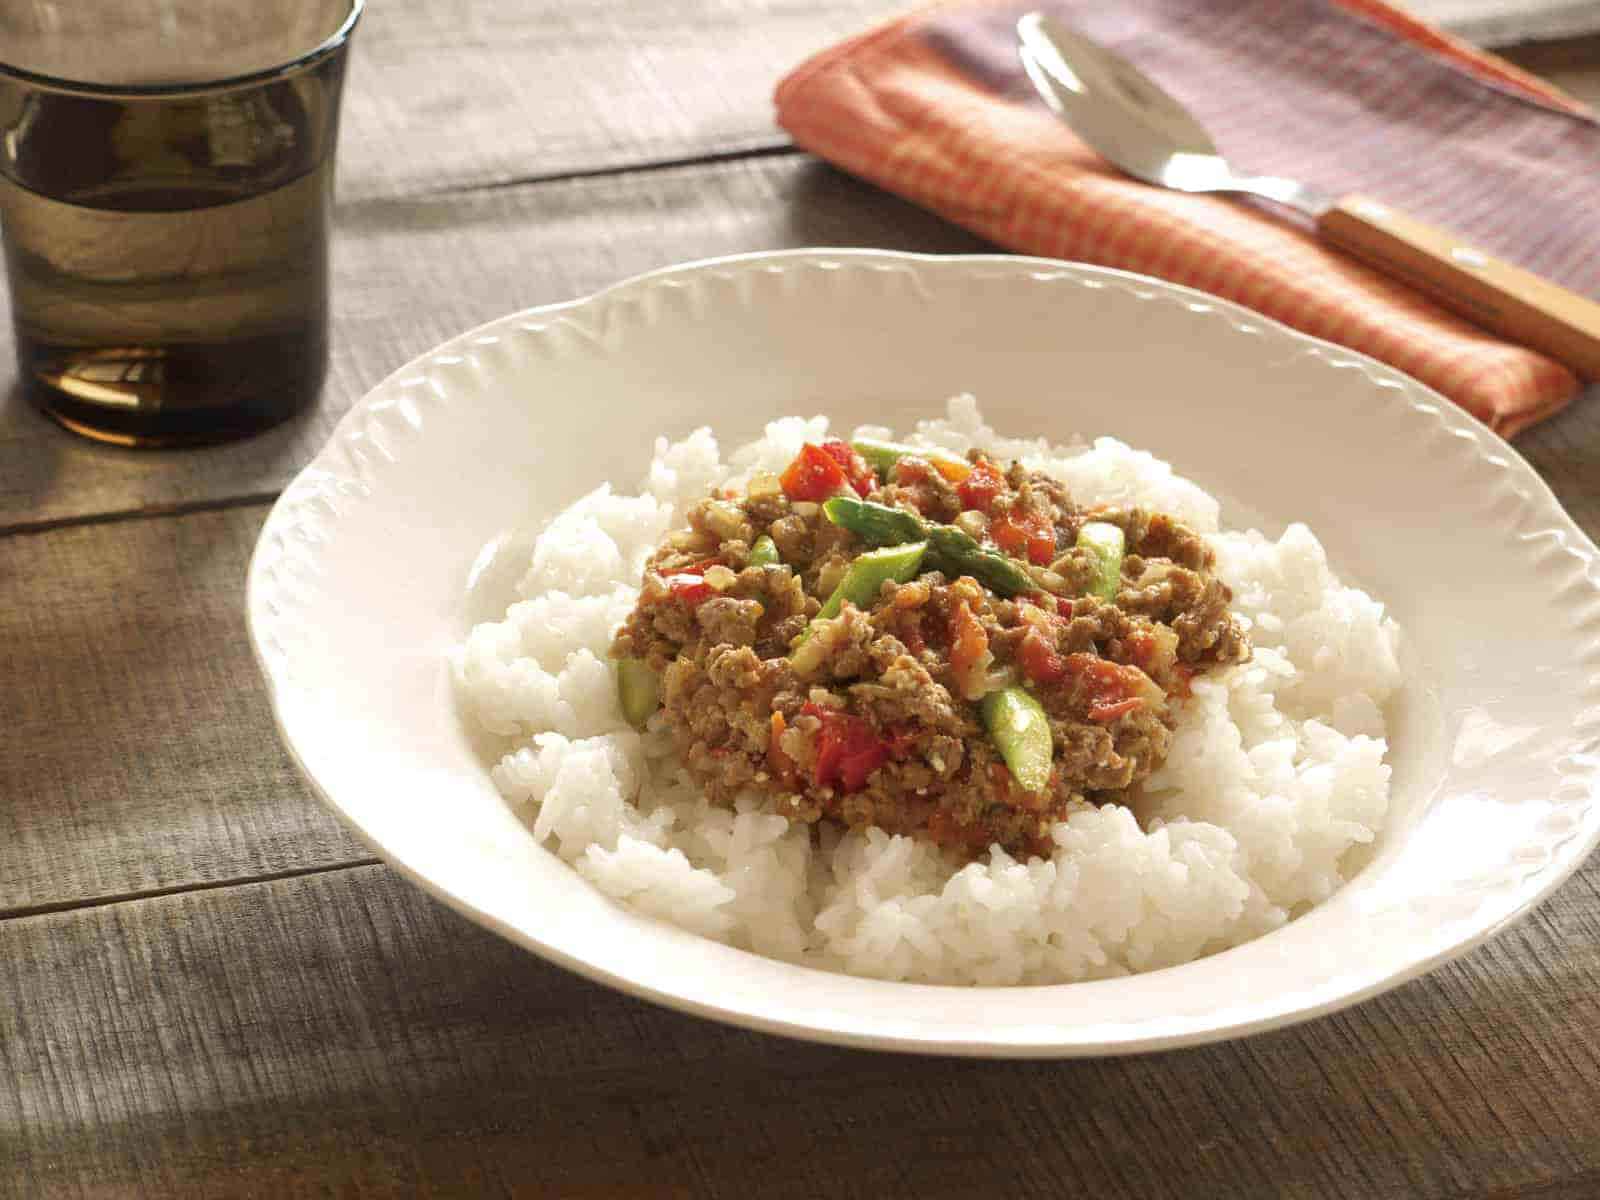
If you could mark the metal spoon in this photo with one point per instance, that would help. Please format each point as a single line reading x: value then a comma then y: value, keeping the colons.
x: 1122, y: 114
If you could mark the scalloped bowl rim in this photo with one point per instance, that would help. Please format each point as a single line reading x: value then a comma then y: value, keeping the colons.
x: 1565, y: 852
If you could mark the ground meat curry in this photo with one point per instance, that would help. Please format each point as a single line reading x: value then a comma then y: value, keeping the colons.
x: 942, y: 647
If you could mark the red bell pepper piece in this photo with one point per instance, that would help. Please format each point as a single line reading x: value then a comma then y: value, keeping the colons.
x: 814, y: 475
x: 860, y: 475
x: 691, y: 589
x: 847, y: 749
x: 688, y: 586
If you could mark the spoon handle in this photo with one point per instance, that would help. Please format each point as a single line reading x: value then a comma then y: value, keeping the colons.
x: 1485, y: 290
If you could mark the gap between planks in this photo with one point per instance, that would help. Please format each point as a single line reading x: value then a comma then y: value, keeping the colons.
x: 757, y: 149
x: 23, y: 912
x: 116, y: 517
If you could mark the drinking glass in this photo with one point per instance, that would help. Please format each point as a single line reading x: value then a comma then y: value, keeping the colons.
x: 166, y: 179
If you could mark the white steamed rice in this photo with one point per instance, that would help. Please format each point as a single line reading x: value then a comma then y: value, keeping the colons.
x: 1276, y: 769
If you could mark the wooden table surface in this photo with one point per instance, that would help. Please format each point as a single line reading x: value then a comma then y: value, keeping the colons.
x: 208, y: 987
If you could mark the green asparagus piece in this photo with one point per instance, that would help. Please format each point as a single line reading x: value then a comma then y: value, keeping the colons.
x: 882, y: 456
x: 764, y: 553
x: 877, y: 524
x: 949, y: 549
x: 1019, y: 729
x: 865, y: 577
x: 1105, y: 545
x: 638, y: 690
x: 959, y: 554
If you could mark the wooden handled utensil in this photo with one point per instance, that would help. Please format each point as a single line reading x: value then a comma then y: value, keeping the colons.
x: 1137, y: 127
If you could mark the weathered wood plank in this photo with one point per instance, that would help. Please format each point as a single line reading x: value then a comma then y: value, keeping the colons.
x: 139, y: 750
x: 410, y: 273
x: 341, y: 1034
x: 452, y: 94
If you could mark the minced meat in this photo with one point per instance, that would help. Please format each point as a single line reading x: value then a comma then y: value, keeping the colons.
x: 872, y: 717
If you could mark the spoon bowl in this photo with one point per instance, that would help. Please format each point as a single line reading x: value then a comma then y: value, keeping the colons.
x: 1131, y: 122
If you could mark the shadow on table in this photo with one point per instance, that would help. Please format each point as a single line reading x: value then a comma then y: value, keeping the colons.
x: 340, y: 1032
x: 1561, y: 449
x: 48, y: 474
x: 827, y: 207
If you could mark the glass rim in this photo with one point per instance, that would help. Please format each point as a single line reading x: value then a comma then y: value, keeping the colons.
x: 330, y: 45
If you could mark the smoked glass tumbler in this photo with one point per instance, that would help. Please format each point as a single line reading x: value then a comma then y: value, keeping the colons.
x: 166, y: 186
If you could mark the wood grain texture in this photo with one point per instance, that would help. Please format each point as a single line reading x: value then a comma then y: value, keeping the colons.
x: 139, y: 749
x: 341, y: 1034
x: 410, y: 273
x: 451, y: 94
x: 336, y: 1033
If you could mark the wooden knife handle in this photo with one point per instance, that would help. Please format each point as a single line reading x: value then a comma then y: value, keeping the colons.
x: 1506, y: 299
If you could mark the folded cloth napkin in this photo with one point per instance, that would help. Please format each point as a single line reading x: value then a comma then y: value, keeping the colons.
x: 1345, y: 95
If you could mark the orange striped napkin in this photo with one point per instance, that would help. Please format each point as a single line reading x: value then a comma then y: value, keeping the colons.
x: 1345, y: 95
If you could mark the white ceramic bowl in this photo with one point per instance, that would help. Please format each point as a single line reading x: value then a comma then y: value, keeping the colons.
x: 404, y: 532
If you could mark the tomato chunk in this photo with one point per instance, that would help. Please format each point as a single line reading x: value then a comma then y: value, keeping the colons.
x: 911, y: 469
x: 856, y: 470
x: 848, y: 751
x: 1110, y: 689
x: 1029, y: 535
x: 914, y: 468
x: 982, y: 484
x: 814, y: 475
x: 968, y: 641
x: 1038, y: 658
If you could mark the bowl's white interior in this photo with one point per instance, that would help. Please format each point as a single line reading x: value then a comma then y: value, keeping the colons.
x: 374, y: 563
